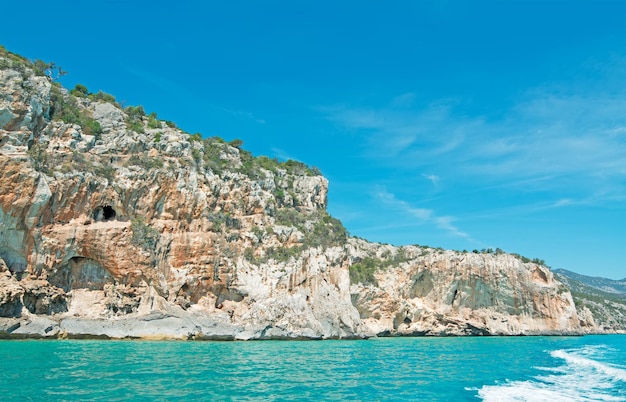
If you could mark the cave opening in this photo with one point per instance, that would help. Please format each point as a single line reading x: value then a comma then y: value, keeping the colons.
x: 109, y: 213
x: 104, y: 213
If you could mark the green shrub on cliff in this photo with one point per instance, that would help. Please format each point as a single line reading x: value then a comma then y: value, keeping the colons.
x: 146, y: 162
x: 326, y: 232
x: 237, y: 143
x: 144, y: 236
x: 397, y: 258
x: 212, y: 152
x: 248, y: 254
x: 106, y: 171
x: 266, y: 163
x: 300, y: 169
x: 135, y: 113
x: 29, y: 68
x: 62, y: 107
x: 526, y: 260
x: 137, y: 127
x: 153, y: 122
x: 134, y: 118
x: 278, y: 254
x: 221, y: 220
x: 80, y: 91
x: 47, y: 69
x: 290, y: 217
x: 39, y: 156
x: 66, y: 109
x: 319, y: 228
x: 248, y: 166
x: 217, y: 157
x: 91, y: 127
x: 363, y: 271
x: 104, y: 97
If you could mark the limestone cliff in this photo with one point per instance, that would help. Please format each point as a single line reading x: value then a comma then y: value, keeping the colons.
x: 424, y: 291
x: 114, y: 223
x: 602, y: 300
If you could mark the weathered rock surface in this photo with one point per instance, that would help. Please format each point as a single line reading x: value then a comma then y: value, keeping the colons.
x: 10, y: 293
x: 601, y: 303
x: 115, y: 224
x: 437, y: 292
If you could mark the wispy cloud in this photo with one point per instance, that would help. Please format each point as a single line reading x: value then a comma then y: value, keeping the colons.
x: 391, y: 131
x: 283, y: 155
x: 577, y: 139
x: 422, y: 215
x: 432, y: 177
x: 562, y: 203
x: 445, y: 223
x: 241, y: 114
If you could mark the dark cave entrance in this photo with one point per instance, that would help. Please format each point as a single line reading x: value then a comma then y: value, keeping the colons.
x: 109, y: 213
x: 104, y: 213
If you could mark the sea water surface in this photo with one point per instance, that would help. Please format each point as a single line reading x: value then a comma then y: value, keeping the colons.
x: 590, y: 368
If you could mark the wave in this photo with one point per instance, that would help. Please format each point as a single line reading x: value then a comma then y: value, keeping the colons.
x: 616, y: 373
x: 580, y: 377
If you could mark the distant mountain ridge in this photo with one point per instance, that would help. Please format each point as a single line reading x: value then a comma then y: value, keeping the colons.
x: 604, y: 298
x: 603, y: 284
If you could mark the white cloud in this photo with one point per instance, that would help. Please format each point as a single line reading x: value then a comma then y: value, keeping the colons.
x: 433, y: 178
x: 420, y: 213
x: 576, y: 139
x: 445, y: 223
x: 562, y: 203
x: 283, y: 155
x: 423, y: 215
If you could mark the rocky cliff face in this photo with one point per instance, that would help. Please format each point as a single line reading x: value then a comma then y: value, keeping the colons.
x: 601, y: 299
x: 116, y: 224
x: 437, y: 292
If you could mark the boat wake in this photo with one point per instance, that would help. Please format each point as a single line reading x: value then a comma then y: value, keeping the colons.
x: 581, y: 376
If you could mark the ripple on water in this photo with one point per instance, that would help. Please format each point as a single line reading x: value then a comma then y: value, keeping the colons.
x: 378, y: 369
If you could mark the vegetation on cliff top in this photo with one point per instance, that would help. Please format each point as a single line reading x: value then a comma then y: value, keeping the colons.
x: 29, y: 68
x: 318, y: 227
x: 65, y: 107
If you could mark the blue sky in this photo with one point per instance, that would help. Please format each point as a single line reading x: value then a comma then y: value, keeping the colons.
x: 459, y: 124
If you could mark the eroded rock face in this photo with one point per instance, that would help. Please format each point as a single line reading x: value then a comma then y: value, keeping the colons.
x: 450, y: 293
x: 134, y: 228
x: 40, y: 297
x: 133, y: 223
x: 10, y: 293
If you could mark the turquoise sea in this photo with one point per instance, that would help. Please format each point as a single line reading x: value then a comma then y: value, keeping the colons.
x: 590, y: 368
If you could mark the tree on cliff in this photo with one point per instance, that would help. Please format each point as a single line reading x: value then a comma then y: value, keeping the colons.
x: 50, y: 70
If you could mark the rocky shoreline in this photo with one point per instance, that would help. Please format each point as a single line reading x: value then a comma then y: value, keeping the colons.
x: 182, y: 329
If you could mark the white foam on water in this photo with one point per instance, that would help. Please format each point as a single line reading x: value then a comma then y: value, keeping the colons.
x: 616, y: 373
x: 580, y: 378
